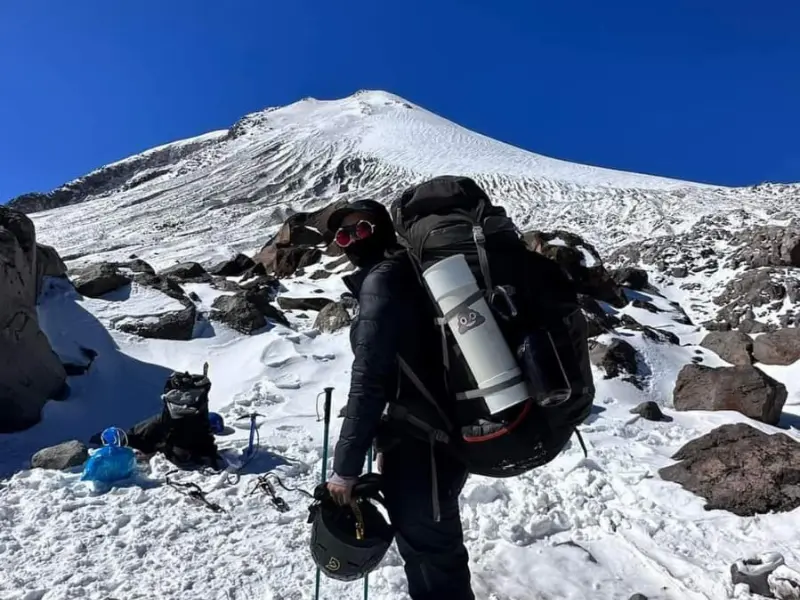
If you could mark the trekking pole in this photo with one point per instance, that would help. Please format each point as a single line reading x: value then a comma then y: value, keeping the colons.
x: 327, y: 421
x: 366, y: 577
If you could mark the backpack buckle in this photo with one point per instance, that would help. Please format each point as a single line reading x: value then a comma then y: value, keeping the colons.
x: 478, y: 235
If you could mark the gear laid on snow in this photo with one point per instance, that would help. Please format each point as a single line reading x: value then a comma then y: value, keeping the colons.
x: 349, y: 542
x: 194, y: 492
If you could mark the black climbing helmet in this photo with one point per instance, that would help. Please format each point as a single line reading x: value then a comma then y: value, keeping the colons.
x: 349, y: 542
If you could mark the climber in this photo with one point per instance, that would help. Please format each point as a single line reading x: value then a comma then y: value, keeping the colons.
x: 394, y: 318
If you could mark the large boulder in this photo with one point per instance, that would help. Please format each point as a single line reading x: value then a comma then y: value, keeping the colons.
x: 741, y: 388
x: 173, y: 325
x: 63, y: 456
x: 288, y: 303
x: 299, y: 243
x: 631, y: 277
x: 740, y: 469
x: 581, y: 262
x: 232, y: 267
x: 165, y: 285
x: 286, y: 261
x: 187, y: 272
x: 616, y: 358
x: 30, y: 372
x: 248, y: 311
x: 780, y: 347
x: 48, y: 264
x: 97, y: 280
x: 332, y: 318
x: 734, y: 347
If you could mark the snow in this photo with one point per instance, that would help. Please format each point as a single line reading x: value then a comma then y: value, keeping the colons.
x: 606, y: 526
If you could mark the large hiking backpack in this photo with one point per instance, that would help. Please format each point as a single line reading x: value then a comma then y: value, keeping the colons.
x: 535, y: 307
x: 188, y: 437
x: 186, y: 395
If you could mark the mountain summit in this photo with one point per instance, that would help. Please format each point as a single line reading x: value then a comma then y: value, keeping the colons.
x: 273, y: 162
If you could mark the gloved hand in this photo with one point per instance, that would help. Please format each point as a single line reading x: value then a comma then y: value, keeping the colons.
x: 341, y: 489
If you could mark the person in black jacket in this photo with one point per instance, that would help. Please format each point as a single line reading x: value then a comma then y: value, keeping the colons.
x: 421, y: 482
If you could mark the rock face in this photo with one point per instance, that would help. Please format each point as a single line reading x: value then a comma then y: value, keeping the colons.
x: 173, y: 325
x: 768, y: 246
x: 63, y: 456
x: 287, y: 303
x: 742, y: 388
x: 581, y: 262
x: 332, y: 318
x: 780, y: 347
x: 299, y: 243
x: 740, y: 469
x: 188, y: 272
x: 48, y: 264
x: 233, y: 267
x: 98, y: 280
x: 631, y: 277
x: 247, y: 311
x: 125, y: 174
x: 754, y: 288
x: 617, y: 358
x: 30, y: 372
x: 734, y: 347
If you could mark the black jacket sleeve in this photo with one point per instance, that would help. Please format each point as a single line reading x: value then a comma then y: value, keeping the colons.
x: 375, y: 340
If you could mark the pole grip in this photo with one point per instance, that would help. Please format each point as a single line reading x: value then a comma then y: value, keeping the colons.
x: 328, y: 398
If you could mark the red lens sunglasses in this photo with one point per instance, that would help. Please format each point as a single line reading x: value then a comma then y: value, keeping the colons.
x: 353, y: 233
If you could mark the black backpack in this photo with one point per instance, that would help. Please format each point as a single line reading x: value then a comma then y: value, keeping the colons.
x: 536, y: 308
x: 187, y: 433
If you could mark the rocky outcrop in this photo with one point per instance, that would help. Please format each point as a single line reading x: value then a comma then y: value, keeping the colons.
x: 740, y: 469
x: 780, y: 347
x: 631, y: 277
x: 48, y: 264
x: 299, y: 243
x: 248, y: 311
x: 332, y: 318
x: 233, y: 267
x: 165, y: 285
x: 122, y: 175
x: 63, y: 456
x: 97, y: 280
x: 767, y: 246
x: 755, y: 288
x: 30, y: 372
x: 616, y: 359
x: 741, y: 388
x: 734, y: 347
x: 188, y: 272
x: 581, y: 262
x: 651, y: 411
x: 287, y: 303
x: 172, y: 325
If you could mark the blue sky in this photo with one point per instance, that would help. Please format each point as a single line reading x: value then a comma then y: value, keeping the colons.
x: 701, y: 90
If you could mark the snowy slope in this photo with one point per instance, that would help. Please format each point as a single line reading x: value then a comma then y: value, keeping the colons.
x: 60, y: 539
x: 234, y: 189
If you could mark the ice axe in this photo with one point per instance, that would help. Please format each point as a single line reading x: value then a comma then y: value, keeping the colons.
x: 253, y: 427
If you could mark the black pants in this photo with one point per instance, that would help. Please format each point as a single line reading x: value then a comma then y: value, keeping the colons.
x: 436, y: 561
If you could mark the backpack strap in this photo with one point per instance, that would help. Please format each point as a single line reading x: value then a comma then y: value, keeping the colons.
x: 443, y: 437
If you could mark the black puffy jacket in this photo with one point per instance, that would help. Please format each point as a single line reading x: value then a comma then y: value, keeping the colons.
x: 395, y: 317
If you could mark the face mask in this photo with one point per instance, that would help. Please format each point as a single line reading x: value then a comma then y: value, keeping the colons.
x: 366, y: 251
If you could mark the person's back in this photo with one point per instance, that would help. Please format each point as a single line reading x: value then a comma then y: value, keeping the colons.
x: 421, y: 481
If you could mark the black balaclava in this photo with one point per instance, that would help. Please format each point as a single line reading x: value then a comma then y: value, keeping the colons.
x: 371, y: 250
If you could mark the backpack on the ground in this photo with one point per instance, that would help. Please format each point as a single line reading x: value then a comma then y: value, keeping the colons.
x: 188, y: 437
x: 512, y: 313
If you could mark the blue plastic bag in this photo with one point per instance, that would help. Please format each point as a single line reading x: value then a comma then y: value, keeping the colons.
x: 109, y: 464
x: 113, y: 462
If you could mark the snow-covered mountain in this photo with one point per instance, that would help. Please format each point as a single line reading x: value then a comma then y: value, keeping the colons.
x: 577, y: 529
x: 236, y: 187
